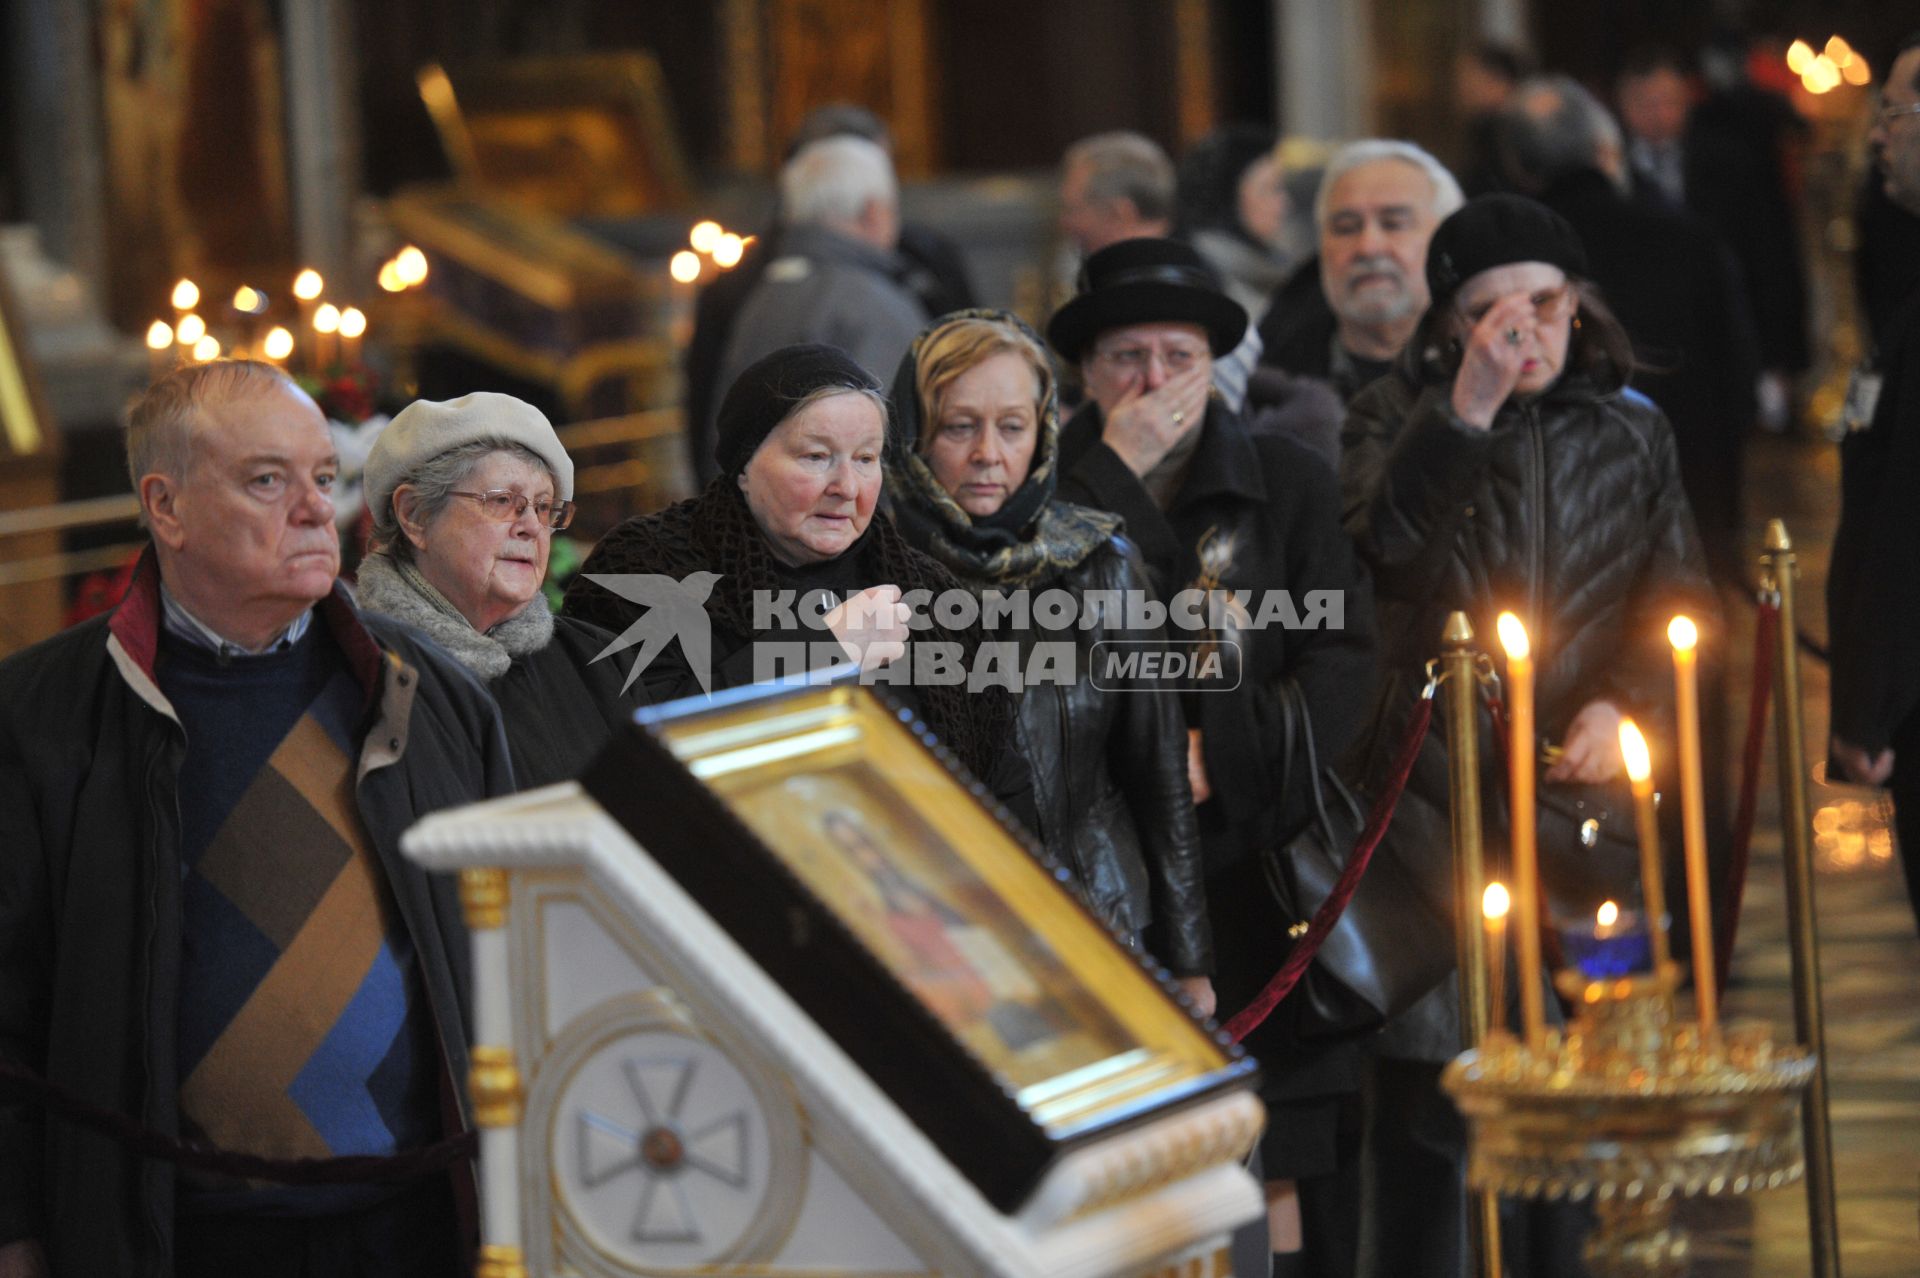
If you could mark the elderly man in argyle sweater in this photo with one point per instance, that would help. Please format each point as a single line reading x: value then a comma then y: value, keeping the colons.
x: 205, y: 920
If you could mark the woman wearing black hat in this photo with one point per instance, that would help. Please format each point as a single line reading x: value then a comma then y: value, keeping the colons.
x: 786, y: 532
x: 971, y: 466
x: 1505, y: 466
x: 1215, y: 506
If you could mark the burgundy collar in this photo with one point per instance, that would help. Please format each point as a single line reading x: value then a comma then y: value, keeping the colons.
x: 136, y: 623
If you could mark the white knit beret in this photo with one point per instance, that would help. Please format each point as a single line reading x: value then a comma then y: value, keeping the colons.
x: 426, y: 428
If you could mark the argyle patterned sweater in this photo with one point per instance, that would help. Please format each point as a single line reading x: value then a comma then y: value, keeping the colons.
x: 301, y: 1028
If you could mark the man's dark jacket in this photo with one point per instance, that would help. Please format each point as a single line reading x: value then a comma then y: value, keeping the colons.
x: 1674, y: 286
x: 90, y: 910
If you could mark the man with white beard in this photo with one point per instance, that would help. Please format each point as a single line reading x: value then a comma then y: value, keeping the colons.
x: 1346, y: 314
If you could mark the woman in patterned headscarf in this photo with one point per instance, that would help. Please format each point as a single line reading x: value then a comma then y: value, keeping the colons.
x: 972, y: 456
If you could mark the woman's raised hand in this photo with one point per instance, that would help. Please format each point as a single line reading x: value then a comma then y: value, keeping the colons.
x: 1490, y: 365
x: 872, y: 626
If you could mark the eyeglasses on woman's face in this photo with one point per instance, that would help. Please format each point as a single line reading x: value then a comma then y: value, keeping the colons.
x: 504, y: 505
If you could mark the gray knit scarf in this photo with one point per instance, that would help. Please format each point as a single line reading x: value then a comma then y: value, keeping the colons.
x: 397, y: 589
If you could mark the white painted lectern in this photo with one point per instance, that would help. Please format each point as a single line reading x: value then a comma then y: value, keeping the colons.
x: 773, y: 993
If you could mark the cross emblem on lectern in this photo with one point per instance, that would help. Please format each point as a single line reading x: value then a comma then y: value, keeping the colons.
x: 664, y: 1148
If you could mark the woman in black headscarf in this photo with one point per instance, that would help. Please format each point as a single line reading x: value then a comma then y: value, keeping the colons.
x: 785, y: 534
x: 971, y: 463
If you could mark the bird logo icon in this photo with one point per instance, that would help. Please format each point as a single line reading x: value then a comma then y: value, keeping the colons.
x: 676, y: 609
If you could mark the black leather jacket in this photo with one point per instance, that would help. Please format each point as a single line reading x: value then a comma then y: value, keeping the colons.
x: 1110, y: 777
x: 1569, y: 512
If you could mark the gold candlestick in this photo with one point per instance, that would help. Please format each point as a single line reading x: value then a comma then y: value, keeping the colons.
x: 1526, y: 866
x: 1653, y: 886
x: 1685, y: 638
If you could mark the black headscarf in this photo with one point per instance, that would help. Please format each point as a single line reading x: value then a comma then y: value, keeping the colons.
x: 1032, y: 537
x: 764, y: 394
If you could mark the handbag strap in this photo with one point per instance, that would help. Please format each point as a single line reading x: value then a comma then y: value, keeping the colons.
x: 1250, y: 1017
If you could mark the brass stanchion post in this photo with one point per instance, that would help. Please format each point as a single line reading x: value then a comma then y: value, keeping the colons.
x: 1459, y: 676
x: 1778, y: 569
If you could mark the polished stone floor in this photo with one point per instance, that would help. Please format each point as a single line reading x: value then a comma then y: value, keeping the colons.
x: 1869, y: 959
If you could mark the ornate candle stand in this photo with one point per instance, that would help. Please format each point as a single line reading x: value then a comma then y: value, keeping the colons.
x: 1632, y: 1109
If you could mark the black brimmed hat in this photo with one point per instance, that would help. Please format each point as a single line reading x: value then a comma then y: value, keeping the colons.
x: 1499, y: 230
x: 1146, y: 282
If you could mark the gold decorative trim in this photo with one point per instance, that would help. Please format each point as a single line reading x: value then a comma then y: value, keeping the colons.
x: 500, y: 1260
x: 1153, y: 1164
x: 483, y: 898
x: 493, y: 1082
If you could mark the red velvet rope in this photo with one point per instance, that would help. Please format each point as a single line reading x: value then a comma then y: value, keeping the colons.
x: 1766, y: 640
x: 1250, y: 1017
x: 136, y: 1138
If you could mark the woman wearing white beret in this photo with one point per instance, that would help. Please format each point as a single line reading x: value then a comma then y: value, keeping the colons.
x: 466, y: 496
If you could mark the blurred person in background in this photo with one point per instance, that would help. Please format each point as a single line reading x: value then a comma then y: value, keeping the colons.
x: 1726, y: 158
x: 1873, y: 591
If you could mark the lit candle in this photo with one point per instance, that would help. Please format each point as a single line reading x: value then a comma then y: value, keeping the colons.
x: 207, y: 349
x: 411, y: 266
x: 1685, y: 638
x: 704, y: 236
x: 1494, y: 904
x: 160, y: 355
x: 326, y: 341
x: 189, y: 330
x: 1526, y: 867
x: 186, y: 295
x: 277, y: 346
x: 727, y: 252
x: 1653, y: 884
x: 353, y: 325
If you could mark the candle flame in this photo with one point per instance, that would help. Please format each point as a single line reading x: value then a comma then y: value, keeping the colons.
x: 1607, y: 915
x: 684, y: 266
x: 1494, y: 902
x: 327, y: 319
x: 1799, y: 57
x: 279, y: 343
x: 249, y: 299
x: 411, y: 264
x: 190, y: 329
x: 390, y: 278
x: 704, y: 236
x: 186, y: 295
x: 1857, y: 72
x: 1513, y: 636
x: 1838, y: 50
x: 727, y: 252
x: 308, y: 285
x: 206, y: 349
x: 159, y: 335
x: 1633, y: 749
x: 1683, y: 634
x: 352, y: 322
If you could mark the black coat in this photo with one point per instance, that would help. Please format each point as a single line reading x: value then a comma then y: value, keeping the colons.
x: 1873, y: 586
x: 1674, y: 286
x: 560, y: 706
x: 90, y: 899
x: 1275, y: 505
